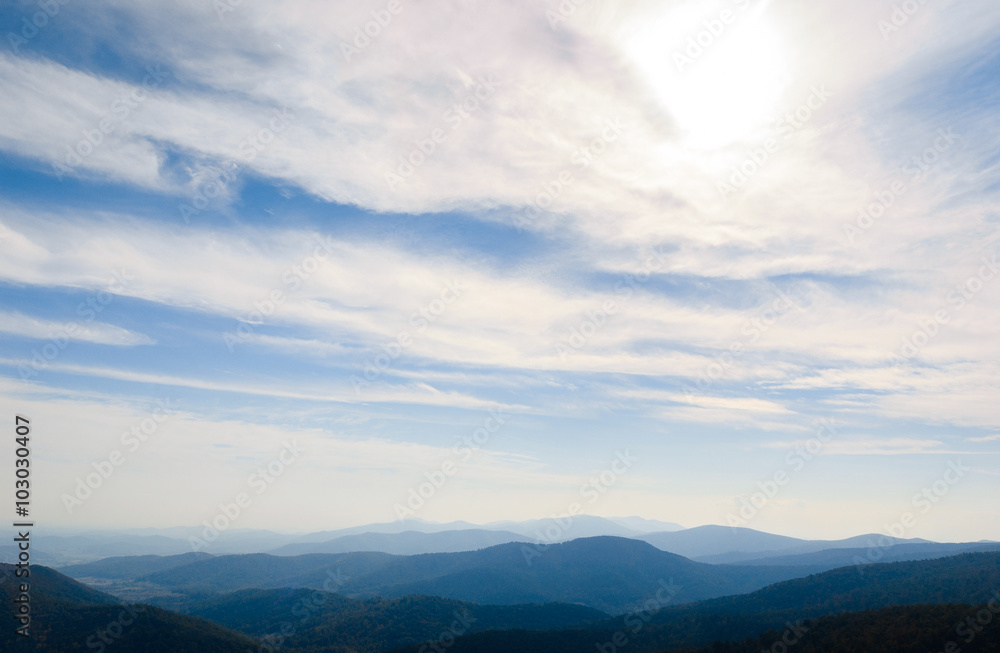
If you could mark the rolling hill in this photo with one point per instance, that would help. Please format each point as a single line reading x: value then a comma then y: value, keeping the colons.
x: 260, y: 570
x: 406, y: 543
x: 833, y: 558
x: 129, y: 567
x: 900, y: 629
x: 69, y: 616
x: 606, y: 573
x: 972, y: 579
x: 312, y: 620
x: 903, y: 629
x: 729, y: 545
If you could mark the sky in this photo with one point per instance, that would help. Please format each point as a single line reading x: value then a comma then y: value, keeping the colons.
x: 703, y: 262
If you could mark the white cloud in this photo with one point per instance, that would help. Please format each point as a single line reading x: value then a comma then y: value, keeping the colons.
x: 986, y: 438
x: 105, y: 334
x: 418, y: 393
x: 872, y: 446
x: 545, y: 95
x: 555, y: 90
x: 360, y: 298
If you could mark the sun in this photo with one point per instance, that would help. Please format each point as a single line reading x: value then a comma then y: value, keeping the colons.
x: 720, y: 75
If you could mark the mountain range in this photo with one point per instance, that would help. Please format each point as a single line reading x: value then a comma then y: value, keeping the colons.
x: 214, y: 606
x: 69, y: 616
x: 966, y: 580
x: 712, y: 544
x: 605, y: 573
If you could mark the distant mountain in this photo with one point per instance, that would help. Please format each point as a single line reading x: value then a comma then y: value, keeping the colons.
x: 712, y: 544
x: 606, y: 573
x: 80, y: 548
x: 406, y: 543
x: 67, y: 616
x: 233, y: 540
x: 130, y: 567
x: 733, y: 545
x: 712, y: 540
x: 63, y: 548
x: 965, y: 578
x: 48, y: 585
x: 41, y: 556
x: 609, y: 574
x: 260, y: 570
x: 646, y: 525
x: 546, y: 530
x: 552, y: 530
x: 373, y: 624
x: 399, y: 526
x: 972, y: 578
x: 834, y: 558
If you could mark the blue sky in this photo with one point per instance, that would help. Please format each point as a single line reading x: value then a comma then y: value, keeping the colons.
x: 692, y: 231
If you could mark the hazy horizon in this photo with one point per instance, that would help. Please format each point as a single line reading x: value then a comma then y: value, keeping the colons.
x: 564, y: 534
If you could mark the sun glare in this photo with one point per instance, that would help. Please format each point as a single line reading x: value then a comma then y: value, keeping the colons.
x: 719, y: 75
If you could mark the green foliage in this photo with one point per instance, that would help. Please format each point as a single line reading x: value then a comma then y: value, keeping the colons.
x: 131, y: 567
x: 907, y: 629
x: 67, y: 616
x: 49, y: 585
x: 909, y: 606
x: 260, y: 570
x: 320, y: 618
x: 610, y: 574
x: 967, y: 579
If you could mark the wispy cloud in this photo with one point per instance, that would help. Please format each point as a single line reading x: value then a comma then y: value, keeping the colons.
x: 986, y: 438
x: 24, y: 326
x: 874, y: 447
x: 486, y: 242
